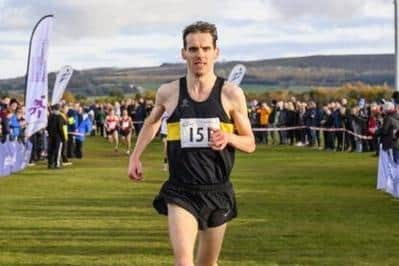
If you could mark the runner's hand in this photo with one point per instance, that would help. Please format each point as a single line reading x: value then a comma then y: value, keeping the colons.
x: 219, y: 139
x: 135, y: 171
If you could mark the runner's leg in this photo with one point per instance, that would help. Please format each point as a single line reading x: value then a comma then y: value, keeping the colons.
x: 209, y: 246
x: 183, y: 228
x: 129, y: 141
x: 116, y: 139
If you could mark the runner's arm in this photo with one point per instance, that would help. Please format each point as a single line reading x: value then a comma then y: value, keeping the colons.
x: 150, y: 126
x: 243, y: 139
x: 147, y: 133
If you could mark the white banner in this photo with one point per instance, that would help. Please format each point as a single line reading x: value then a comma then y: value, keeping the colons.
x: 36, y: 77
x: 237, y: 74
x: 388, y: 173
x: 63, y: 77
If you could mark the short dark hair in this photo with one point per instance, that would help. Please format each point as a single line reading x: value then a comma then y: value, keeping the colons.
x: 201, y: 27
x: 13, y: 100
x: 55, y: 107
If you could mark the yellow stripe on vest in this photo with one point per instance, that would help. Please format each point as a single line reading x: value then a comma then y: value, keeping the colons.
x: 174, y: 130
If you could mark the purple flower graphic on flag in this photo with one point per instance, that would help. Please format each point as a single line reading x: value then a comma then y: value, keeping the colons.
x: 38, y: 106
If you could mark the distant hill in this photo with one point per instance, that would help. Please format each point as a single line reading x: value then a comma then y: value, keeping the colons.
x: 280, y: 73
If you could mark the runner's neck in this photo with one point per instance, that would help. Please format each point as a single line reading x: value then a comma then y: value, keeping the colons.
x: 198, y: 86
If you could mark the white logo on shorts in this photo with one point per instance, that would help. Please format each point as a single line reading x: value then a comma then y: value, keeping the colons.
x: 227, y: 213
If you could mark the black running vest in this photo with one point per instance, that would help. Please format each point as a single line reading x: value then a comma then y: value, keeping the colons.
x: 188, y: 163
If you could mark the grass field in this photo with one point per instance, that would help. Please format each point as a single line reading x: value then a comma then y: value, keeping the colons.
x: 296, y: 207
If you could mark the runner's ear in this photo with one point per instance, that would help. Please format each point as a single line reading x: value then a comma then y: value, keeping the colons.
x: 217, y: 52
x: 183, y: 53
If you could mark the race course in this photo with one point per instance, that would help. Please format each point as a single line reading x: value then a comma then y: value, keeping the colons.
x: 297, y: 206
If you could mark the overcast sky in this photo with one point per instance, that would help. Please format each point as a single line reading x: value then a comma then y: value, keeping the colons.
x: 127, y: 33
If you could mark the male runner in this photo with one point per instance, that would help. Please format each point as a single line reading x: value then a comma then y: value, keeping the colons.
x: 207, y: 122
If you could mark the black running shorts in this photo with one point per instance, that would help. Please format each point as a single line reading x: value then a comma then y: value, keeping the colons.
x: 211, y: 205
x: 110, y: 131
x: 125, y: 132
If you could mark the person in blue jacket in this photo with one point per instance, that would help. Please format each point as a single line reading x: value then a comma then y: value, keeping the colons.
x: 14, y: 125
x: 83, y: 127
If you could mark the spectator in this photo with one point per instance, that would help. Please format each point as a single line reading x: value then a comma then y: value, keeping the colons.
x: 83, y: 127
x: 140, y: 115
x: 72, y: 116
x: 22, y: 123
x: 281, y: 121
x: 291, y: 121
x: 5, y: 128
x: 13, y: 120
x: 389, y: 129
x: 373, y: 125
x: 55, y: 129
x: 357, y: 128
x: 263, y: 113
x: 100, y: 118
x: 63, y: 114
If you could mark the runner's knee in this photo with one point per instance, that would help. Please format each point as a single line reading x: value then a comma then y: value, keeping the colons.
x: 202, y: 260
x: 206, y: 263
x: 183, y: 261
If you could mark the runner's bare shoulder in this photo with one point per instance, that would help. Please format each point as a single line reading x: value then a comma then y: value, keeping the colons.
x: 232, y: 97
x: 168, y: 95
x: 232, y: 91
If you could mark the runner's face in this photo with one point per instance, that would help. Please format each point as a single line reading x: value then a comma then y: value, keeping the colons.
x: 199, y: 53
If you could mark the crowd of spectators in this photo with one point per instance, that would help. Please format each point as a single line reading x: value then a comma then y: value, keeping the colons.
x: 350, y: 128
x: 68, y: 124
x: 333, y: 126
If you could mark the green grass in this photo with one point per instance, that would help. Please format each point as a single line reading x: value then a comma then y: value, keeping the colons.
x: 296, y: 207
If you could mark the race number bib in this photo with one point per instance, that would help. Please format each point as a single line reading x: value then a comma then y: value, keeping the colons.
x: 112, y: 125
x: 125, y: 124
x: 196, y: 132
